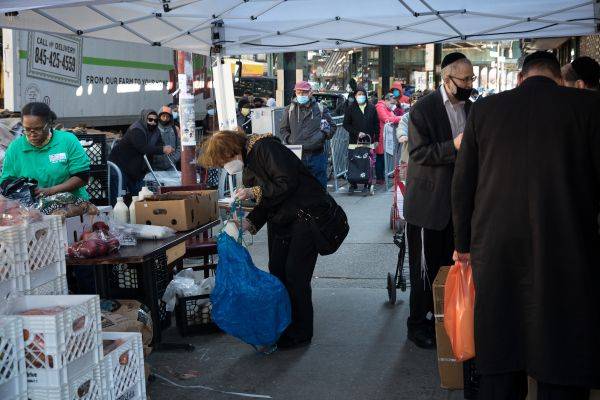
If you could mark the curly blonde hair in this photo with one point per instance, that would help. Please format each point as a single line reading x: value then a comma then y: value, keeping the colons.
x: 221, y: 147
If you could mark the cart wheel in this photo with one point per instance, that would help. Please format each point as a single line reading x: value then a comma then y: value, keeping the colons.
x: 372, y: 191
x: 391, y: 287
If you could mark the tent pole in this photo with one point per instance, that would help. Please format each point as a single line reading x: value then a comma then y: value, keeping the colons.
x: 187, y: 117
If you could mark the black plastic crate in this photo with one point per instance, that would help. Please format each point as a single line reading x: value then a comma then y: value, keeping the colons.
x: 471, y: 380
x: 193, y: 315
x: 127, y: 282
x: 96, y: 151
x: 97, y: 187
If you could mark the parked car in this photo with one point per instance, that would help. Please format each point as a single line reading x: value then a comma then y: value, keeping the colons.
x: 333, y: 101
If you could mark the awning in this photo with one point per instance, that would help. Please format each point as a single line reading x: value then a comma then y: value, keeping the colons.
x: 264, y: 26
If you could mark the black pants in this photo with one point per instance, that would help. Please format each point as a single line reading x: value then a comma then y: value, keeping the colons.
x: 513, y: 386
x: 439, y: 246
x: 292, y: 259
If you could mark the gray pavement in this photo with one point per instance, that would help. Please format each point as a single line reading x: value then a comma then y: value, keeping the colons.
x: 359, y: 350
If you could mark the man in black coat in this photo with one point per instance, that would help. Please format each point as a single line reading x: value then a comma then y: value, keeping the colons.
x: 141, y: 138
x: 526, y: 199
x: 434, y: 136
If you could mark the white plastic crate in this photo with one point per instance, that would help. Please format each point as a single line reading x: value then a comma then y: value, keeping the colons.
x: 13, y: 378
x: 58, y: 346
x: 73, y: 227
x: 12, y: 259
x: 45, y: 243
x: 55, y: 287
x: 86, y: 385
x: 123, y: 368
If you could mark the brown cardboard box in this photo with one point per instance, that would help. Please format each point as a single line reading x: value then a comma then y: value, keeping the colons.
x: 451, y: 371
x: 180, y: 213
x: 209, y: 209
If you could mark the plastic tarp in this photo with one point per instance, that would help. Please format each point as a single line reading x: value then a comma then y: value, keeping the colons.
x: 265, y: 26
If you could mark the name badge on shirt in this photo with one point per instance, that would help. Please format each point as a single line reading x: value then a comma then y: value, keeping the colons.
x: 58, y: 158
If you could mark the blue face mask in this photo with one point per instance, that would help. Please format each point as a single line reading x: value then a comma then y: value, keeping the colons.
x: 302, y: 99
x: 175, y: 115
x: 361, y: 99
x: 396, y: 93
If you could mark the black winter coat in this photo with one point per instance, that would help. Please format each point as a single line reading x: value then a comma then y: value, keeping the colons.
x: 281, y: 183
x: 526, y: 199
x: 431, y: 163
x: 129, y: 152
x: 355, y: 122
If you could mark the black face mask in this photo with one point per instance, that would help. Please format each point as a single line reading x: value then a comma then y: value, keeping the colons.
x: 151, y: 127
x: 461, y: 93
x: 164, y: 123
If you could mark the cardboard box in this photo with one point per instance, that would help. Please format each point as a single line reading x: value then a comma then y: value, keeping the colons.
x: 208, y: 203
x: 180, y: 213
x: 451, y: 371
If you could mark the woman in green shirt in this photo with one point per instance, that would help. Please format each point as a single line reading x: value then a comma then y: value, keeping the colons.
x: 54, y: 158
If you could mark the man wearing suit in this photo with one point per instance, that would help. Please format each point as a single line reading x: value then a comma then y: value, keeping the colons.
x: 435, y: 133
x: 525, y: 200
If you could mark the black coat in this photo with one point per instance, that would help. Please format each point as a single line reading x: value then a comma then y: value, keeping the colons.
x: 431, y: 163
x: 283, y: 184
x: 526, y: 199
x: 355, y: 122
x: 129, y: 152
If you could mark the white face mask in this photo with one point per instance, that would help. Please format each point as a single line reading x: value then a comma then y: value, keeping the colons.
x: 234, y: 167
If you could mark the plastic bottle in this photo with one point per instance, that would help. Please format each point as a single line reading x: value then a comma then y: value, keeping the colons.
x: 145, y: 192
x: 132, y: 209
x: 120, y: 211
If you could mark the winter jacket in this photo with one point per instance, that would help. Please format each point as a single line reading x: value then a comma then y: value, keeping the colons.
x: 301, y: 124
x: 355, y: 121
x: 170, y: 137
x: 138, y: 141
x: 385, y: 115
x: 281, y: 184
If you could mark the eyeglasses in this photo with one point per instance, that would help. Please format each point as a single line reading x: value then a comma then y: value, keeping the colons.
x: 468, y: 79
x: 152, y: 119
x: 33, y: 131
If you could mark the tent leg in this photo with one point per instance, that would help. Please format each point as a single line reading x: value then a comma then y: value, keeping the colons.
x: 187, y: 118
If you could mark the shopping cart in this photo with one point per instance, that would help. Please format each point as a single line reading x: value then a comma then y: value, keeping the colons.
x: 398, y: 280
x: 361, y: 165
x: 155, y: 179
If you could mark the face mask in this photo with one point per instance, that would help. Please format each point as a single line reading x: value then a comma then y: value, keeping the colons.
x: 463, y: 94
x: 164, y: 123
x: 211, y: 112
x: 234, y: 166
x: 361, y: 99
x: 245, y: 112
x: 396, y: 93
x: 175, y: 115
x: 302, y: 99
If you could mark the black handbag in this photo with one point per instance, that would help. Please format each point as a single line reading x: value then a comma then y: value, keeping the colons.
x: 329, y: 229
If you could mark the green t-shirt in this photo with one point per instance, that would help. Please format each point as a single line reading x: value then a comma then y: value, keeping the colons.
x: 50, y: 165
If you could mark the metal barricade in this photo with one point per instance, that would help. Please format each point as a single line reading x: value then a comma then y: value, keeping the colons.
x: 391, y: 149
x: 338, y: 151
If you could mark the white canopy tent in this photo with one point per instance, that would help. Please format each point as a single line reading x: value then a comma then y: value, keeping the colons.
x: 264, y: 26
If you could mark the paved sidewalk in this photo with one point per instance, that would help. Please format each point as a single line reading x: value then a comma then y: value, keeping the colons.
x: 359, y: 350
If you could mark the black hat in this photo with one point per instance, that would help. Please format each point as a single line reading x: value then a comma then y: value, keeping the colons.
x: 587, y: 69
x: 452, y: 57
x: 540, y: 55
x: 361, y: 89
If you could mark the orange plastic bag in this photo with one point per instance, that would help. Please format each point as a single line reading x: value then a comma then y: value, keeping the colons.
x: 459, y: 310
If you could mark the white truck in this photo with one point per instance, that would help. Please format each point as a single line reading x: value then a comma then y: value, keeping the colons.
x: 91, y: 81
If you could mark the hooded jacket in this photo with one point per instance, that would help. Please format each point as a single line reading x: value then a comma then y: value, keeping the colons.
x: 385, y: 115
x: 301, y: 124
x: 138, y: 141
x: 170, y: 137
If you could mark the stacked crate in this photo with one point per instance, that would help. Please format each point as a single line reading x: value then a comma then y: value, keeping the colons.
x: 32, y: 258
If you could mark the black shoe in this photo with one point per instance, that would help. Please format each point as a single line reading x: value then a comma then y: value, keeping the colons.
x: 422, y: 339
x: 365, y: 189
x: 287, y: 343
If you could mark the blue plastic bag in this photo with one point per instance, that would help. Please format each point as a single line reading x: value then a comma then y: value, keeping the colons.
x: 247, y: 303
